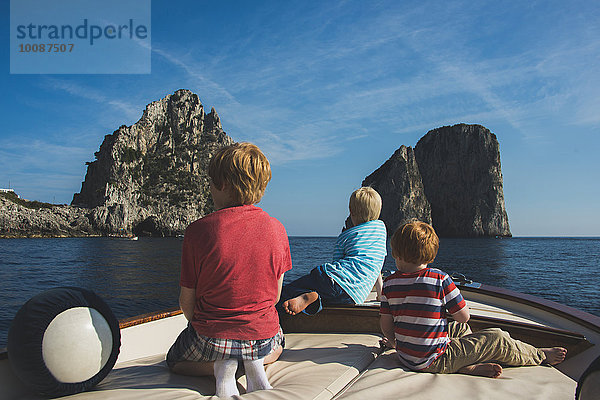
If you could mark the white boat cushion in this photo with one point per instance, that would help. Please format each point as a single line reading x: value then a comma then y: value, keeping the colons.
x: 385, y: 379
x: 319, y: 366
x: 313, y: 366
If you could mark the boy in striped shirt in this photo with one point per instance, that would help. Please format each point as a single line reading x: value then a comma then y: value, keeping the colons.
x: 357, y: 261
x: 414, y: 305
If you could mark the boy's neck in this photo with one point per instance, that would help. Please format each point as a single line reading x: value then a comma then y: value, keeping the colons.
x: 356, y: 222
x: 408, y: 268
x: 223, y: 198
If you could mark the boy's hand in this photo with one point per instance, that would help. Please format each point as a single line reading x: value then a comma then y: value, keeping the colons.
x: 386, y: 343
x: 387, y: 328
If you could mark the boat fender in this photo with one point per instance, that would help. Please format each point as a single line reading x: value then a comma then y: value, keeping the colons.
x: 588, y: 387
x: 63, y: 341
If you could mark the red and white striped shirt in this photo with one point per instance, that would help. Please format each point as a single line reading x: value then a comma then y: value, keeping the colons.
x: 419, y: 302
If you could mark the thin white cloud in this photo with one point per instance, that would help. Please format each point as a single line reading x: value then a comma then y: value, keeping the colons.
x: 130, y: 110
x: 296, y: 139
x: 39, y: 155
x: 351, y: 76
x: 192, y: 70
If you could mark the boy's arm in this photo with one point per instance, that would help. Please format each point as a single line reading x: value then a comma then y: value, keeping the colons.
x: 379, y: 286
x: 386, y: 321
x: 187, y: 302
x: 279, y: 286
x: 455, y: 304
x: 463, y: 315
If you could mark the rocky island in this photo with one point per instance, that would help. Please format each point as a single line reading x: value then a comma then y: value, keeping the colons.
x: 146, y: 179
x: 150, y: 179
x: 451, y: 179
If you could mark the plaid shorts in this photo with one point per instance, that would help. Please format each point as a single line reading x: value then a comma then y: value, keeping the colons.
x: 190, y: 346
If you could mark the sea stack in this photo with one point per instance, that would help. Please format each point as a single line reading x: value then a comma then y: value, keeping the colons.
x: 460, y: 168
x: 452, y: 179
x: 147, y: 179
x: 150, y: 178
x: 400, y: 186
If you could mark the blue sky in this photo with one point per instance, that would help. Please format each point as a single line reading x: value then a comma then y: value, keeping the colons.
x: 330, y: 89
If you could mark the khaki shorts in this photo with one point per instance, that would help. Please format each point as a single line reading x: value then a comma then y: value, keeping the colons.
x: 487, y: 345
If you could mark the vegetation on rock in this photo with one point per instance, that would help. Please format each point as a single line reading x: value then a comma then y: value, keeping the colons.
x: 34, y: 205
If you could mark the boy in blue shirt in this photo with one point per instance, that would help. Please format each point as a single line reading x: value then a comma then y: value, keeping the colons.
x: 356, y: 267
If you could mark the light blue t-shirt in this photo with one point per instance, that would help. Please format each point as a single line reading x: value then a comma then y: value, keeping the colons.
x: 358, y: 258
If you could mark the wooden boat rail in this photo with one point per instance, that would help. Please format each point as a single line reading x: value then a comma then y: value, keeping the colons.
x: 583, y: 318
x: 126, y: 323
x: 365, y: 319
x: 149, y: 317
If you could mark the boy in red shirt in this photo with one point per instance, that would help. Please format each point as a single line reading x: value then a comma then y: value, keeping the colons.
x: 232, y: 267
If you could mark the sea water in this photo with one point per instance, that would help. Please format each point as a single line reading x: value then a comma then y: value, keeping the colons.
x: 138, y: 277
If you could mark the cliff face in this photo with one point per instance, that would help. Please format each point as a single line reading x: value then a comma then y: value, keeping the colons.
x: 452, y: 180
x: 460, y: 167
x: 399, y: 183
x: 150, y: 178
x: 21, y: 219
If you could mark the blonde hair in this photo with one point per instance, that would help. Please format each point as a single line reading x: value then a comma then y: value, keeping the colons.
x: 415, y: 242
x: 245, y: 168
x: 365, y: 204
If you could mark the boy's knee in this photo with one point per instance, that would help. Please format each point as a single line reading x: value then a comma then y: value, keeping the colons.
x: 274, y: 356
x: 492, y: 331
x: 170, y: 365
x: 498, y: 335
x: 503, y: 334
x: 170, y: 360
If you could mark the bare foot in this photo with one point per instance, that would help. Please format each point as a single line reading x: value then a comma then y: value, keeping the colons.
x: 491, y: 370
x: 554, y: 355
x: 298, y: 304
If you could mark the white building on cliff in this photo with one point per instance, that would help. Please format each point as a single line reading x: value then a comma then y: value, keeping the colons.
x: 9, y: 191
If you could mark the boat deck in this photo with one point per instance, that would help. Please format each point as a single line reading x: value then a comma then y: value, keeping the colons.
x: 348, y: 366
x: 327, y: 366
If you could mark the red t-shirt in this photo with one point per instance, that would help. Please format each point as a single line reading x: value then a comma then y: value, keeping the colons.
x: 233, y: 258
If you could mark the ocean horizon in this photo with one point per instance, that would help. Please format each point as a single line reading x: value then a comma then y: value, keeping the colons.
x: 138, y: 277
